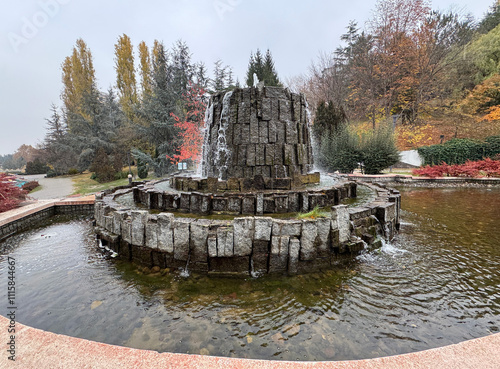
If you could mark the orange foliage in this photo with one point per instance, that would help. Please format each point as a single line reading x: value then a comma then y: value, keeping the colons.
x: 190, y: 125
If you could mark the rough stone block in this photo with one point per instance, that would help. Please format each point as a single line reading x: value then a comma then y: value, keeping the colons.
x: 386, y: 212
x: 152, y: 232
x: 248, y: 205
x: 269, y: 205
x: 263, y: 226
x: 222, y: 186
x: 243, y: 235
x: 263, y: 132
x: 233, y: 184
x: 278, y: 259
x: 250, y: 156
x: 138, y: 219
x: 212, y: 246
x: 260, y: 152
x: 170, y: 201
x: 293, y: 258
x: 259, y: 203
x: 280, y: 133
x: 281, y: 203
x: 308, y: 240
x: 324, y: 234
x: 184, y: 204
x: 340, y: 216
x: 126, y: 227
x: 219, y: 204
x: 289, y: 157
x: 245, y: 133
x: 181, y: 239
x: 285, y: 110
x: 199, y: 235
x: 272, y: 131
x: 237, y: 134
x: 292, y: 137
x: 108, y: 223
x: 224, y: 242
x: 269, y: 154
x: 260, y: 256
x: 266, y: 109
x: 254, y: 132
x: 246, y: 184
x: 234, y: 204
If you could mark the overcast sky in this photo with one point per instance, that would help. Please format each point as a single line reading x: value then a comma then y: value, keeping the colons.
x: 36, y: 36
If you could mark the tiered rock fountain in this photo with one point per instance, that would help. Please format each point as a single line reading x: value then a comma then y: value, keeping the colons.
x: 257, y: 162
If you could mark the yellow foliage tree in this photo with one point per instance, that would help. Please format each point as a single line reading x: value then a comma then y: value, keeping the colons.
x: 125, y: 75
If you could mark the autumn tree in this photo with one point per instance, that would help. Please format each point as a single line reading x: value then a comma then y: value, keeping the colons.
x: 125, y: 75
x: 190, y: 125
x: 79, y: 81
x: 145, y: 69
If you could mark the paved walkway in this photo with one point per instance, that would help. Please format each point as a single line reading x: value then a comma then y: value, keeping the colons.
x: 52, y: 188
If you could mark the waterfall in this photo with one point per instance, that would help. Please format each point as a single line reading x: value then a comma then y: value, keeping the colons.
x: 209, y: 113
x: 222, y: 152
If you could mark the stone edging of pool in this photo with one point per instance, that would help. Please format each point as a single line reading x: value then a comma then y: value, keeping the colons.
x: 23, y: 218
x: 410, y: 180
x: 36, y: 348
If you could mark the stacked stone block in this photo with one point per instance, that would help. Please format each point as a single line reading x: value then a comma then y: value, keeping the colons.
x: 252, y: 244
x: 254, y: 131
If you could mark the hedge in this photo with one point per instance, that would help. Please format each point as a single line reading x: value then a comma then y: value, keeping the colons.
x: 460, y: 150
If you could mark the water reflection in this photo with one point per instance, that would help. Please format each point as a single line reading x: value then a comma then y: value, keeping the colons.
x: 437, y: 283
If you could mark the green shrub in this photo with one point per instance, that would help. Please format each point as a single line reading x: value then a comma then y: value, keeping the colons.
x: 379, y: 151
x: 142, y: 169
x: 73, y: 171
x: 460, y: 150
x: 36, y: 167
x: 102, y: 167
x: 339, y: 150
x: 120, y: 175
x: 51, y: 173
x: 343, y: 150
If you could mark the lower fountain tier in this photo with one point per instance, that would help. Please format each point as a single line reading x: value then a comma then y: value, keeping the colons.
x: 246, y: 245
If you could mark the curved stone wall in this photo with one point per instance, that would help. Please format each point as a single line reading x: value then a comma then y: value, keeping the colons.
x: 235, y: 202
x: 245, y: 245
x: 256, y: 131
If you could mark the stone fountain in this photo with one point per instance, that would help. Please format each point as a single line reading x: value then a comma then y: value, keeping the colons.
x: 257, y: 164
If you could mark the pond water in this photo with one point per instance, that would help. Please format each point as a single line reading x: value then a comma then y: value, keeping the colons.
x: 436, y: 283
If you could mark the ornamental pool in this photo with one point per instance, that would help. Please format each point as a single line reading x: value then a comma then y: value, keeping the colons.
x: 436, y: 283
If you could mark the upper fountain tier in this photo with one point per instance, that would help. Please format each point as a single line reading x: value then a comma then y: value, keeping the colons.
x: 257, y: 131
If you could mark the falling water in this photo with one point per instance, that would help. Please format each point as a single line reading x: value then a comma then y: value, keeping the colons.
x: 209, y: 113
x: 185, y: 272
x: 222, y: 153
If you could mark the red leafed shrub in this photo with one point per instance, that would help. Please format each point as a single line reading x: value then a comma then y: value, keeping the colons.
x: 431, y: 171
x: 482, y: 168
x: 10, y: 195
x: 30, y: 186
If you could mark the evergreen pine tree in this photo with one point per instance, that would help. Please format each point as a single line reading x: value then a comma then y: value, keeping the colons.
x: 263, y: 68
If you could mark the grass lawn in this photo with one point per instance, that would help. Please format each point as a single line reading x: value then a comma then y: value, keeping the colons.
x: 36, y: 189
x: 83, y: 185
